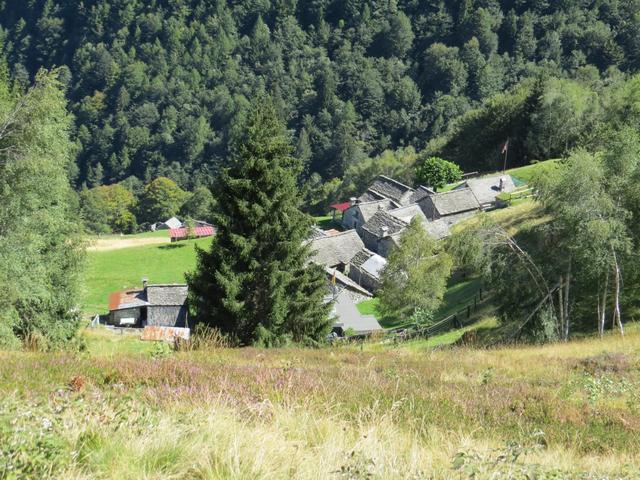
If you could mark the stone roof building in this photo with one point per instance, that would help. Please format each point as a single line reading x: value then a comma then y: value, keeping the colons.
x: 381, y: 233
x: 449, y: 203
x: 360, y: 212
x: 406, y: 214
x: 336, y: 251
x: 163, y: 305
x: 386, y: 187
x: 365, y: 269
x: 420, y: 193
x: 486, y: 189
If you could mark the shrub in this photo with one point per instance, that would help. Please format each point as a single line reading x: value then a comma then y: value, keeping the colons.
x: 436, y: 172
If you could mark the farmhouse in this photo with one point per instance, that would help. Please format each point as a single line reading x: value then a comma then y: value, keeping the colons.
x: 378, y: 229
x: 162, y: 305
x: 382, y: 232
x: 449, y: 204
x: 336, y: 251
x: 385, y: 187
x: 365, y: 269
x: 360, y: 212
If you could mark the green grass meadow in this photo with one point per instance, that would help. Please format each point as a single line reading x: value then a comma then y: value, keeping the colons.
x: 460, y: 293
x: 113, y: 270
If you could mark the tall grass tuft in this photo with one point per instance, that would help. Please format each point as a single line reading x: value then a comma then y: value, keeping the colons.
x: 203, y: 338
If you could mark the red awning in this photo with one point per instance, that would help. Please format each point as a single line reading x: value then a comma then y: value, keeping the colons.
x: 341, y: 206
x: 195, y: 232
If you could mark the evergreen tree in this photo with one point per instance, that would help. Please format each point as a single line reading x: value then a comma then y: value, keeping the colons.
x: 255, y: 283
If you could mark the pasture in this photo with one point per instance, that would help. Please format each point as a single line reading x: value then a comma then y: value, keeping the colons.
x: 118, y: 269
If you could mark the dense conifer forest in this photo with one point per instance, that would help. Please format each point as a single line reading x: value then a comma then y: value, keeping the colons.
x: 158, y: 88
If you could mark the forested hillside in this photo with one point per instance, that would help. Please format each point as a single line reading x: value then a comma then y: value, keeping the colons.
x: 159, y: 87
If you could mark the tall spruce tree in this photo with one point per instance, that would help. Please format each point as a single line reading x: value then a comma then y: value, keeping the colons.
x: 255, y: 283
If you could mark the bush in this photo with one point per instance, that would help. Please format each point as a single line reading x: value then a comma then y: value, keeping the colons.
x: 436, y: 172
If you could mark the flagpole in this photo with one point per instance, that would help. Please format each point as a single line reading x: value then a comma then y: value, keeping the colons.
x: 506, y: 152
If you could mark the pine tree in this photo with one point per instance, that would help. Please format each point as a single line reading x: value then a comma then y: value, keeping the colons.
x: 255, y: 283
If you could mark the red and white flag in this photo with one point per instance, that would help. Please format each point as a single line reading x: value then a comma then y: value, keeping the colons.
x: 505, y: 147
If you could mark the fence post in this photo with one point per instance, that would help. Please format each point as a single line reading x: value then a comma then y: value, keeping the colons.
x: 469, y: 311
x: 475, y: 303
x: 480, y: 293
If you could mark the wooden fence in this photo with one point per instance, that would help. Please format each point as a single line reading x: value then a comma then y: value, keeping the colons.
x: 509, y: 198
x: 461, y: 318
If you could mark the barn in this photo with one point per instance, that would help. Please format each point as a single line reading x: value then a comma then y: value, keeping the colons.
x: 161, y: 305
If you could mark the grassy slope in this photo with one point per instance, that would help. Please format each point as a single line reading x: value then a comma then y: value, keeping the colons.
x: 459, y: 294
x: 119, y: 269
x: 529, y: 172
x: 334, y: 413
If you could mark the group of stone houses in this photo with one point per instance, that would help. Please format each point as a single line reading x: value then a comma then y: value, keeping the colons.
x: 353, y: 259
x: 375, y: 222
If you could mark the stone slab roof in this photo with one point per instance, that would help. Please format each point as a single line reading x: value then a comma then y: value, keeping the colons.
x: 390, y: 188
x: 441, y: 228
x: 167, y: 295
x: 124, y: 299
x: 420, y: 193
x: 334, y: 250
x: 370, y: 196
x: 361, y: 257
x: 486, y: 189
x: 455, y: 201
x: 438, y: 229
x: 346, y: 282
x: 316, y: 232
x: 384, y: 219
x: 369, y: 209
x: 374, y: 265
x: 406, y: 214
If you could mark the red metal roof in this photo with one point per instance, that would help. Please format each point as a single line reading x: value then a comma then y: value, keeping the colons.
x: 126, y: 299
x: 341, y: 206
x: 195, y: 232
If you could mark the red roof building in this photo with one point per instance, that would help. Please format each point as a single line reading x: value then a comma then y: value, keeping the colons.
x: 341, y: 207
x: 196, y: 232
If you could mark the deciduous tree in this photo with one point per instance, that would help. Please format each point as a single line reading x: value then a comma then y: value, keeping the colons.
x: 415, y: 277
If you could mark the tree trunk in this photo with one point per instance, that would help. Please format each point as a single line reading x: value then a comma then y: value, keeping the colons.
x: 561, y: 307
x: 602, y: 306
x: 566, y: 302
x: 617, y: 318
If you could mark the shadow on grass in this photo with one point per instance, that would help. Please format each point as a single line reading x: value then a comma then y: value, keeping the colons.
x: 172, y: 246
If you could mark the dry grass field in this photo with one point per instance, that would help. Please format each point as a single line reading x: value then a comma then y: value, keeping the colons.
x: 126, y: 409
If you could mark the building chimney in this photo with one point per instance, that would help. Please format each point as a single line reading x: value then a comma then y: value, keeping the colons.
x: 385, y: 231
x: 145, y: 282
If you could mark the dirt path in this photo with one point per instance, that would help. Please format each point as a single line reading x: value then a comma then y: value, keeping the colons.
x: 106, y: 244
